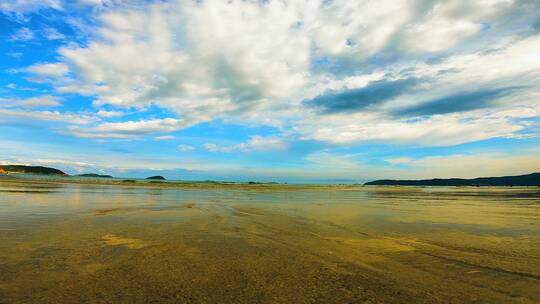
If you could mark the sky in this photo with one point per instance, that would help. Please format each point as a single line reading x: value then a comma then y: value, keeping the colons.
x: 266, y: 90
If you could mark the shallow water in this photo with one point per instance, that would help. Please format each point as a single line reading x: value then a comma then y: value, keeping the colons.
x: 76, y: 243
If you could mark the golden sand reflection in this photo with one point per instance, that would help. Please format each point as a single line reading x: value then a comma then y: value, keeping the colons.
x: 367, y: 245
x: 114, y: 240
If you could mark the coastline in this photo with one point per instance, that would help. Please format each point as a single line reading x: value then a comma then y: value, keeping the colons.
x: 225, y: 185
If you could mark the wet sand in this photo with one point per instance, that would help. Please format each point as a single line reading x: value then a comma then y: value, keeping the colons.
x: 104, y: 242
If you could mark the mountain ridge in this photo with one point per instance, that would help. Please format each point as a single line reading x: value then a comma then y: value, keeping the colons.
x: 532, y: 179
x: 31, y: 170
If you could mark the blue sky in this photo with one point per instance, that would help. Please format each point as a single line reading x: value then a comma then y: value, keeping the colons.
x: 297, y: 91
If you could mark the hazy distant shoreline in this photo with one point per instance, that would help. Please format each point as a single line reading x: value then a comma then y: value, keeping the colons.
x: 40, y: 173
x: 143, y: 183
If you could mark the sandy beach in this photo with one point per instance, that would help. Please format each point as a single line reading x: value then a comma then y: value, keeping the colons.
x: 65, y: 242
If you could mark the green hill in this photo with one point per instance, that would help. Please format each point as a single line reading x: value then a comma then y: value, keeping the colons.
x: 31, y: 170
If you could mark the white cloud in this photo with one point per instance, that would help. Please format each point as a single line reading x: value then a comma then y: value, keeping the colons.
x: 255, y: 143
x: 140, y: 127
x: 38, y: 101
x: 511, y: 65
x: 49, y: 69
x: 127, y: 129
x: 367, y: 25
x: 165, y: 137
x: 259, y: 143
x: 185, y: 148
x: 193, y: 67
x: 110, y: 114
x: 215, y: 148
x: 200, y: 73
x: 434, y: 131
x: 53, y: 34
x: 61, y: 162
x: 28, y: 6
x: 22, y: 34
x: 514, y: 61
x: 215, y: 59
x: 81, y: 133
x: 80, y: 119
x: 449, y: 22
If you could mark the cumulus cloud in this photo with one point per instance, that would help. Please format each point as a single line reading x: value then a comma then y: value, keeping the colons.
x: 337, y: 71
x: 249, y: 61
x: 448, y: 22
x: 200, y: 72
x: 461, y: 98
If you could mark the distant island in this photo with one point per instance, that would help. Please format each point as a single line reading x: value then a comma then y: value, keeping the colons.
x: 21, y: 169
x: 40, y: 170
x: 157, y: 177
x: 518, y: 180
x: 94, y: 175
